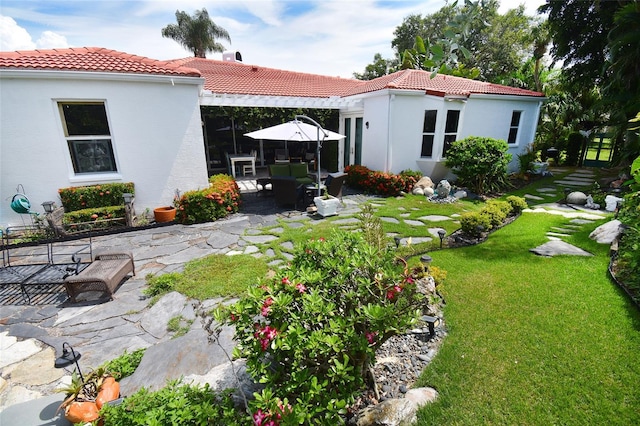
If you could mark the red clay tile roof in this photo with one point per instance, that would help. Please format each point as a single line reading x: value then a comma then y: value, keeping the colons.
x: 439, y: 85
x: 239, y: 78
x: 91, y: 59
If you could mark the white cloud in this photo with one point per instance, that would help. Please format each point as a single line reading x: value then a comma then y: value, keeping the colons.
x: 13, y: 36
x: 51, y: 40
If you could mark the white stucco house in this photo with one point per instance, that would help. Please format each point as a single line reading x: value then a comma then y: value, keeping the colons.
x: 145, y: 123
x: 84, y: 116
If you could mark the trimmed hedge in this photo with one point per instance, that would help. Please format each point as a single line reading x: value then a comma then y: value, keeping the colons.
x: 379, y: 183
x: 221, y: 198
x: 491, y: 216
x: 101, y: 217
x: 94, y: 196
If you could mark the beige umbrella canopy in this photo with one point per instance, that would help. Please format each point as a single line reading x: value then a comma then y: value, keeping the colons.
x: 298, y: 131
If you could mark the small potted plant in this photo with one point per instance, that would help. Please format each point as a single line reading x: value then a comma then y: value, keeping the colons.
x: 326, y: 204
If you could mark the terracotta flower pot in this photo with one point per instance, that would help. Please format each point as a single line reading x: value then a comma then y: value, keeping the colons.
x: 164, y: 214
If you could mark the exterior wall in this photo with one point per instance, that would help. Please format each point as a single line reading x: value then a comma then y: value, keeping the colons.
x: 155, y: 132
x: 397, y: 116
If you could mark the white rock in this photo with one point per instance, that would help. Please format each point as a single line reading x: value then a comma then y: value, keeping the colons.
x: 611, y: 202
x: 418, y: 191
x: 607, y: 233
x: 422, y: 396
x: 392, y: 412
x: 460, y: 194
x: 429, y: 192
x: 425, y: 182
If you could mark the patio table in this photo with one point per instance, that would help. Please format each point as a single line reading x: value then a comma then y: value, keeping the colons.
x: 242, y: 159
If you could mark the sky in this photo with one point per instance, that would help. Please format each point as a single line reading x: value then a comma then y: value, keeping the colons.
x: 328, y: 37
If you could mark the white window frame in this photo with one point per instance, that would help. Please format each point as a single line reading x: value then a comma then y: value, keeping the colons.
x: 515, y: 128
x: 104, y: 142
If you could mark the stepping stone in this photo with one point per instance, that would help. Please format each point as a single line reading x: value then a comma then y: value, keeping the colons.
x: 572, y: 183
x: 581, y: 221
x: 414, y: 222
x: 562, y: 229
x: 533, y: 197
x: 405, y: 214
x: 554, y: 248
x: 434, y: 232
x: 278, y: 230
x: 415, y: 240
x: 389, y: 219
x: 558, y: 234
x: 547, y: 189
x: 251, y: 250
x: 347, y: 221
x: 434, y: 218
x: 259, y: 239
x: 287, y: 245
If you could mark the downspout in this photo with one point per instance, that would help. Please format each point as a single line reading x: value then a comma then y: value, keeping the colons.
x: 389, y: 159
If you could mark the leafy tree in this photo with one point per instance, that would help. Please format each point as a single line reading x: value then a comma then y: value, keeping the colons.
x: 378, y: 68
x: 480, y: 163
x: 197, y: 34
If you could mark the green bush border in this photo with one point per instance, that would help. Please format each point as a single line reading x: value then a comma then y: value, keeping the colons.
x: 220, y: 199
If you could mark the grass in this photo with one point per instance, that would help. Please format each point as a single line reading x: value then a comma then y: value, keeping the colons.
x: 533, y: 340
x: 212, y: 276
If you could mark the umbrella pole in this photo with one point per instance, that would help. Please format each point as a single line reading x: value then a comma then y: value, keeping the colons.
x: 318, y: 160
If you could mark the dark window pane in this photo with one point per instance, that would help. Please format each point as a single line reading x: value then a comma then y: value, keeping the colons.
x: 452, y: 121
x: 427, y: 146
x: 430, y: 121
x: 85, y: 119
x: 515, y: 118
x: 513, y: 133
x: 92, y: 156
x: 448, y: 140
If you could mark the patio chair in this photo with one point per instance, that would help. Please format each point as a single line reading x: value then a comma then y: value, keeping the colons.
x: 247, y: 168
x: 334, y: 183
x: 281, y: 156
x: 286, y: 190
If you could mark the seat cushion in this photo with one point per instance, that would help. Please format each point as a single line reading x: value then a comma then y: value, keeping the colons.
x: 299, y: 170
x: 279, y: 170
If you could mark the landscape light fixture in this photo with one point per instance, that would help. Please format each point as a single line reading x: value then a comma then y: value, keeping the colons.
x: 426, y: 261
x: 441, y: 234
x: 397, y: 239
x: 432, y: 323
x: 480, y: 230
x: 49, y: 206
x: 69, y: 356
x: 128, y: 197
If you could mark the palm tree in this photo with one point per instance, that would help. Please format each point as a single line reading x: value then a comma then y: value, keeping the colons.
x: 197, y: 34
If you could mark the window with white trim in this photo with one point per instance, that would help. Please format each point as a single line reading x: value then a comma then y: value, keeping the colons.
x: 450, y: 130
x: 514, y: 126
x: 88, y: 136
x: 428, y: 132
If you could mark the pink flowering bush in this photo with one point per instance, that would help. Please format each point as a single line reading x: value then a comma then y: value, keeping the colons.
x: 310, y: 333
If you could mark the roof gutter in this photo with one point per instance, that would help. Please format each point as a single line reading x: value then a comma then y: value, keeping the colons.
x: 99, y: 75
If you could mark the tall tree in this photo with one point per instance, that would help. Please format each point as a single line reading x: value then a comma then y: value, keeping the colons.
x: 197, y: 34
x: 378, y: 68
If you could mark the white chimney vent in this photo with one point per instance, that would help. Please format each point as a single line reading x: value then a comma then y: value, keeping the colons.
x: 232, y: 56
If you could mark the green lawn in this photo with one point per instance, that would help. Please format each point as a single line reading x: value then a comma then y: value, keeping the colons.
x: 533, y: 340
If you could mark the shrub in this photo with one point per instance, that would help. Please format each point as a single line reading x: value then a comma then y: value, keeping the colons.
x: 380, y: 183
x: 94, y: 196
x: 495, y: 214
x: 526, y: 158
x: 91, y: 218
x: 480, y: 163
x: 416, y: 175
x: 310, y: 333
x: 473, y: 224
x: 175, y: 404
x: 206, y: 205
x: 517, y: 204
x: 125, y: 365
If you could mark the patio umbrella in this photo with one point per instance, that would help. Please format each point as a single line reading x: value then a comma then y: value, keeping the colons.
x: 298, y: 131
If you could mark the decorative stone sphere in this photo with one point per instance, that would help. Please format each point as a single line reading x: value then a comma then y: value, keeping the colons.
x: 578, y: 198
x: 444, y: 188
